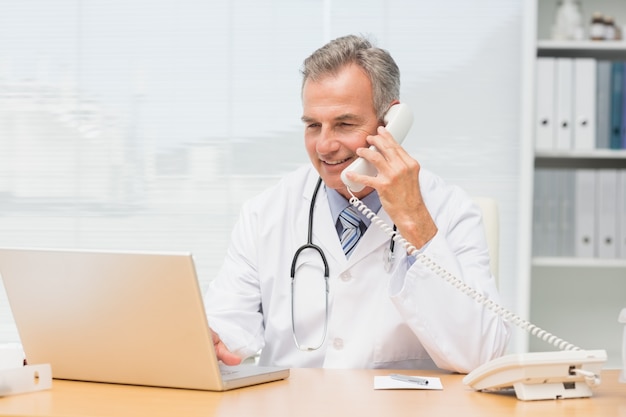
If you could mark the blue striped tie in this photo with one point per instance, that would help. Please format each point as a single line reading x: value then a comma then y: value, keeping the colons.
x: 351, y: 232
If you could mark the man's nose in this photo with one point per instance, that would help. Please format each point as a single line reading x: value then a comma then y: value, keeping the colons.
x: 327, y: 141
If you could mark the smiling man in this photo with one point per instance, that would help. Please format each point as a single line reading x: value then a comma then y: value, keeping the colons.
x: 310, y: 284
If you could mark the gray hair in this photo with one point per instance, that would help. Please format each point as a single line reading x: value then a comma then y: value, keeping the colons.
x: 377, y: 63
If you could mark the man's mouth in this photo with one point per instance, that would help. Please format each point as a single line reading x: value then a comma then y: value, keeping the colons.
x: 336, y: 162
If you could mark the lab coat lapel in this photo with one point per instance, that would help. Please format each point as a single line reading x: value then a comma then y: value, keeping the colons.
x: 324, y: 231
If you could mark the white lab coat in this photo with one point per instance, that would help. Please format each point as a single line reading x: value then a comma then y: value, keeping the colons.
x: 405, y: 318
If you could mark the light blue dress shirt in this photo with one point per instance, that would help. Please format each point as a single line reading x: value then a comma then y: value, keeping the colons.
x: 337, y: 203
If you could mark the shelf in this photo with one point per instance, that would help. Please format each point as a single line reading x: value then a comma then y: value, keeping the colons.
x: 598, y: 158
x: 580, y: 154
x: 565, y: 262
x: 582, y: 49
x: 551, y: 45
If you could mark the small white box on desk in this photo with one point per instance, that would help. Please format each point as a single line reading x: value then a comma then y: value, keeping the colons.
x: 15, y: 378
x: 27, y: 378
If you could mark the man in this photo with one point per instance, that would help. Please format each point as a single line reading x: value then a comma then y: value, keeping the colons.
x: 380, y: 310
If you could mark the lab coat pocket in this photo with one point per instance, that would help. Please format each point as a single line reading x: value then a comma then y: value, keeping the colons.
x: 396, y: 343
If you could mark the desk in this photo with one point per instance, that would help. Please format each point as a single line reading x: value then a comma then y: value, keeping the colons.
x: 308, y: 392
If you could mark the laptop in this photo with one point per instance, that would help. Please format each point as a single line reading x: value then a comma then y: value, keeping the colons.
x: 118, y: 317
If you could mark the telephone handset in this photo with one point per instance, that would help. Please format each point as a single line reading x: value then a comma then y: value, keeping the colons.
x: 568, y: 373
x: 398, y: 121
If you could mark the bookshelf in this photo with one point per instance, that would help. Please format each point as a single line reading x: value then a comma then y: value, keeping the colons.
x: 577, y: 298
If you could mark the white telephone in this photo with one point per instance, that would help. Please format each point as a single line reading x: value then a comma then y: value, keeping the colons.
x: 398, y: 121
x: 568, y: 373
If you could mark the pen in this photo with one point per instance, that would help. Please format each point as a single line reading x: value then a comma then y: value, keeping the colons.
x: 406, y: 378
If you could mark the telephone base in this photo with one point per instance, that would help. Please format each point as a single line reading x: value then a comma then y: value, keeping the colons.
x: 552, y: 391
x: 541, y: 375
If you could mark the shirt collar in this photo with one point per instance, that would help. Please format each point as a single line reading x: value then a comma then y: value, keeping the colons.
x: 337, y: 203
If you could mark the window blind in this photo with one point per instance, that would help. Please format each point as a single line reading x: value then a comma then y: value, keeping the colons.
x: 143, y: 125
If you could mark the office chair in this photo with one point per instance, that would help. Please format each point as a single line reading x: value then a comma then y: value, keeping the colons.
x: 489, y: 208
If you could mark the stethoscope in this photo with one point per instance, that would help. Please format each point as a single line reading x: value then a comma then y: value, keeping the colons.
x: 389, y: 258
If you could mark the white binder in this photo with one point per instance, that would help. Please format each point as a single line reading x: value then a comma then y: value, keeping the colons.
x: 584, y: 103
x: 552, y: 213
x: 565, y: 191
x: 603, y: 104
x: 606, y: 213
x: 621, y: 215
x: 540, y: 206
x: 564, y: 107
x: 546, y: 207
x: 585, y: 212
x: 545, y: 129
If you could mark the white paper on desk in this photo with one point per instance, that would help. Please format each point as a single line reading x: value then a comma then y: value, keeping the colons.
x: 387, y: 382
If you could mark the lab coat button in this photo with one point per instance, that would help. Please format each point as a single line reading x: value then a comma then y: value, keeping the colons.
x: 338, y: 343
x: 346, y: 276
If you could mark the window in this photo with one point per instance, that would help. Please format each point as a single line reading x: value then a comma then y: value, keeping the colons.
x: 143, y: 125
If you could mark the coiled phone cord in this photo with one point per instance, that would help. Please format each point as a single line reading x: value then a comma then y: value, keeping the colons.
x: 460, y: 285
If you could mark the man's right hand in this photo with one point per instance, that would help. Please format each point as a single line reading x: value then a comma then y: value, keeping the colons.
x: 222, y: 352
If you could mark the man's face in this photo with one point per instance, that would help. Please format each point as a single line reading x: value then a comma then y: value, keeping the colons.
x: 338, y: 114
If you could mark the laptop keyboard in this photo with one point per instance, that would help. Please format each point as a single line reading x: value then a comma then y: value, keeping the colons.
x: 227, y: 370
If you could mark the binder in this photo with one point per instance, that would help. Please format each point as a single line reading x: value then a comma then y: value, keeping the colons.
x: 564, y: 108
x: 551, y: 210
x: 565, y: 191
x: 606, y: 213
x: 584, y: 103
x: 585, y: 212
x: 545, y: 129
x: 539, y: 212
x: 617, y: 88
x: 603, y: 104
x: 621, y: 214
x: 622, y: 140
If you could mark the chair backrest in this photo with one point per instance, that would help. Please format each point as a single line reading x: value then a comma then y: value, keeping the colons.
x: 491, y: 221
